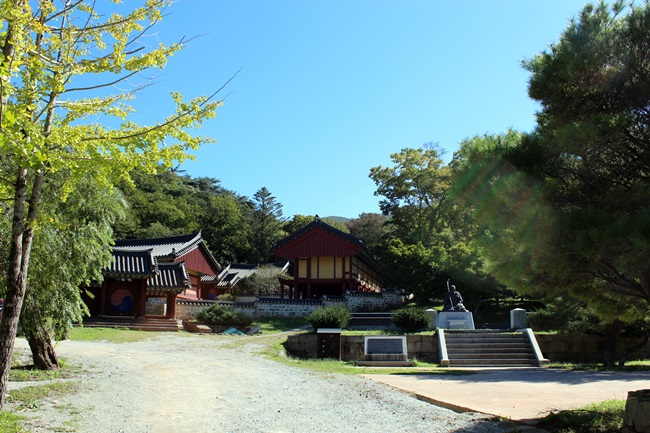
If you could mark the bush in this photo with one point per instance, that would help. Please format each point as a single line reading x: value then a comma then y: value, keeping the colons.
x: 411, y: 319
x: 330, y: 317
x: 224, y: 315
x: 226, y: 297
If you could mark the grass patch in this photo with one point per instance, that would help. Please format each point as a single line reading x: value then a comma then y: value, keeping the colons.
x: 10, y: 422
x: 29, y: 397
x: 643, y: 365
x: 274, y: 325
x: 27, y: 373
x: 605, y: 417
x: 274, y: 349
x: 112, y: 335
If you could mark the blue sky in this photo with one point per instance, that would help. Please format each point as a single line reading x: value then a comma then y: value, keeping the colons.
x: 329, y: 89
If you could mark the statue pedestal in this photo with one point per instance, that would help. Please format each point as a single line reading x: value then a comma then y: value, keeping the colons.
x: 455, y: 320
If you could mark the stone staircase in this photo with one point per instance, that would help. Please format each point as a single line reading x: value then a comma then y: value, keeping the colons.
x: 133, y: 323
x: 489, y: 348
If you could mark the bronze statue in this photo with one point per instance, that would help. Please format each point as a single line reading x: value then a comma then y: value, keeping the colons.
x: 453, y: 300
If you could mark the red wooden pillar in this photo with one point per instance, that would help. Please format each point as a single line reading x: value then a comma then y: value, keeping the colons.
x: 142, y: 299
x: 171, y: 306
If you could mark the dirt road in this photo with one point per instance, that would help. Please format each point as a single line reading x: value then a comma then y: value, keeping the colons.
x: 191, y: 383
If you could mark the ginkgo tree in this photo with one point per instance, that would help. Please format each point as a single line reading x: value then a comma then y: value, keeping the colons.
x: 61, y: 65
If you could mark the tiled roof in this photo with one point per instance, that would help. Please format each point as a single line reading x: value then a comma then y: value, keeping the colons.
x: 132, y: 264
x: 317, y: 222
x: 170, y: 276
x: 234, y: 272
x: 171, y: 247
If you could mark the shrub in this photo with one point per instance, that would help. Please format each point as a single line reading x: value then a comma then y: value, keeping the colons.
x: 411, y: 319
x: 226, y: 297
x: 224, y: 315
x: 330, y: 317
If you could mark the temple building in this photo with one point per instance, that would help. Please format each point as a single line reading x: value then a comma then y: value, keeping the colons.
x: 148, y: 275
x: 326, y: 262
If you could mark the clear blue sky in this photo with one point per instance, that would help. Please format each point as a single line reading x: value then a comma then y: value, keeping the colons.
x: 329, y: 89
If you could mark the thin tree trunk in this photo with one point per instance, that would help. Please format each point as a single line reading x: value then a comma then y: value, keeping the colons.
x: 16, y: 283
x: 615, y: 329
x: 22, y: 233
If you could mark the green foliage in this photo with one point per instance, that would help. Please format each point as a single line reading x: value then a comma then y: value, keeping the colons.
x: 61, y: 66
x: 604, y: 417
x: 565, y: 210
x: 566, y: 315
x: 431, y: 236
x: 10, y: 422
x: 112, y: 335
x: 411, y: 319
x: 263, y: 282
x: 266, y: 225
x: 29, y: 397
x: 413, y: 189
x: 330, y: 317
x: 224, y: 315
x: 168, y: 204
x: 372, y: 228
x: 299, y: 221
x: 226, y: 297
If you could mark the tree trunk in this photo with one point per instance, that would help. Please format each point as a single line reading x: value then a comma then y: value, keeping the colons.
x: 21, y: 244
x: 43, y: 354
x: 610, y: 344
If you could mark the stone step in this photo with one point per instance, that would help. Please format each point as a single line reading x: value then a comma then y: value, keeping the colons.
x: 489, y: 345
x: 132, y: 323
x: 495, y: 362
x: 518, y: 355
x: 488, y: 350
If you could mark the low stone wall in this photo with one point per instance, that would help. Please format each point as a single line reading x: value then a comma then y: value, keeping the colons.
x: 585, y: 348
x: 186, y: 310
x: 420, y: 347
x: 364, y: 301
x: 278, y: 307
x: 284, y: 307
x: 556, y: 348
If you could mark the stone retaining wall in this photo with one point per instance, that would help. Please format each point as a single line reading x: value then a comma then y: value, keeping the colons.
x: 556, y: 348
x: 585, y: 348
x: 420, y: 347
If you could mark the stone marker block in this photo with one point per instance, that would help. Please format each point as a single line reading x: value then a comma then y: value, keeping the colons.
x: 518, y: 319
x: 637, y: 412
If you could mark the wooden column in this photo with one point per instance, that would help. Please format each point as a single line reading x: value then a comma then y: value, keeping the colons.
x: 142, y: 299
x: 171, y: 306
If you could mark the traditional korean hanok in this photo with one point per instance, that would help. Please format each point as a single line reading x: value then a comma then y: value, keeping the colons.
x: 327, y: 261
x: 148, y: 275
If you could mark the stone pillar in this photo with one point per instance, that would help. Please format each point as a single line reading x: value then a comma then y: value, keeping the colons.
x: 637, y: 412
x: 518, y: 319
x: 433, y: 318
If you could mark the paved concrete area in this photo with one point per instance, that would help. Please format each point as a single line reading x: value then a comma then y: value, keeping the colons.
x: 519, y: 394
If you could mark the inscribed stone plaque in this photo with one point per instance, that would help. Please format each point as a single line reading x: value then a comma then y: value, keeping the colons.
x: 384, y: 345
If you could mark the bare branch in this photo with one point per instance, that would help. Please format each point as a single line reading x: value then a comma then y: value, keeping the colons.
x: 169, y: 122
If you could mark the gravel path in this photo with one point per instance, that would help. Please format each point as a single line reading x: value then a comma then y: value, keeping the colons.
x: 190, y: 383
